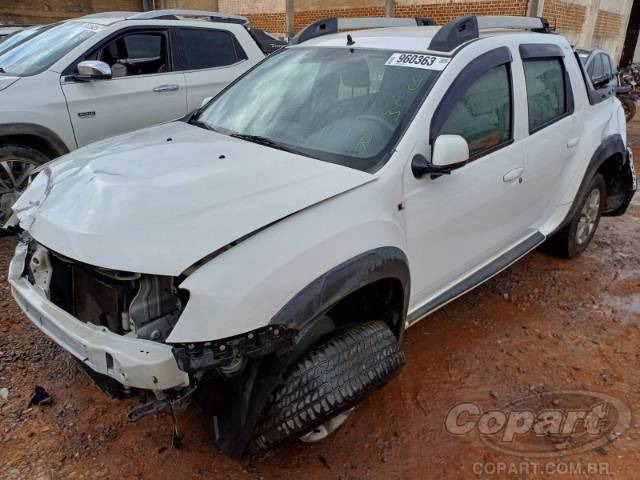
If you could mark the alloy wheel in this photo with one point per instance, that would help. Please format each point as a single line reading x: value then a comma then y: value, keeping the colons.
x: 588, y: 217
x: 14, y: 178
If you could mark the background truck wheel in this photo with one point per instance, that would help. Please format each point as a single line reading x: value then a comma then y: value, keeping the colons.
x: 574, y: 238
x: 329, y: 380
x: 16, y: 164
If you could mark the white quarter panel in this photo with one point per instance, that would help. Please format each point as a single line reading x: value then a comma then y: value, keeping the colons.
x: 137, y: 203
x: 243, y: 288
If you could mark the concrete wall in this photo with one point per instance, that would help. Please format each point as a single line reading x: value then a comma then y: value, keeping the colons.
x: 587, y: 23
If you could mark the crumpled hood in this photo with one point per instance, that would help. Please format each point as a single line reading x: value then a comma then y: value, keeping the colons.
x: 160, y: 199
x: 6, y: 81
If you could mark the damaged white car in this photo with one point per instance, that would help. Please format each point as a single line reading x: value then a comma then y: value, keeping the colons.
x: 265, y: 255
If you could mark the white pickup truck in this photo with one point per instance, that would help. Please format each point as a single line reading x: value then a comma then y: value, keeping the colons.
x: 270, y: 250
x: 101, y: 75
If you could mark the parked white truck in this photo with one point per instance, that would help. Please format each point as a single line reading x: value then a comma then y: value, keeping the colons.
x: 105, y: 74
x: 266, y: 254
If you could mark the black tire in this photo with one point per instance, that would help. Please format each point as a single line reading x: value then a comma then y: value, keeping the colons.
x: 567, y: 242
x: 328, y: 380
x: 18, y: 159
x: 629, y: 106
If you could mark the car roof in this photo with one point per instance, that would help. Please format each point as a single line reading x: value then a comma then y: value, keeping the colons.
x: 182, y: 16
x: 416, y: 38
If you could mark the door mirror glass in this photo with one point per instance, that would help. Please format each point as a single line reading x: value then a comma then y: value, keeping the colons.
x: 450, y: 151
x: 93, y: 70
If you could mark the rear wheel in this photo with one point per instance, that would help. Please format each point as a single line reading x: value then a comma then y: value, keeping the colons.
x: 320, y: 390
x: 574, y: 238
x: 17, y: 163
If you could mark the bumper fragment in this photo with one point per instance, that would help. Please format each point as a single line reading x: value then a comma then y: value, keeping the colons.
x: 131, y: 361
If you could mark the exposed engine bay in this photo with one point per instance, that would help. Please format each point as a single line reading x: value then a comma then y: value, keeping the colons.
x: 147, y: 306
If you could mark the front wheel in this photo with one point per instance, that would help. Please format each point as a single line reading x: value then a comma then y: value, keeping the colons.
x: 318, y: 393
x: 17, y: 162
x: 574, y: 238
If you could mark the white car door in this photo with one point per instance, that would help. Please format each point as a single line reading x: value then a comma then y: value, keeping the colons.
x: 456, y: 223
x: 143, y: 89
x: 211, y: 59
x: 554, y: 130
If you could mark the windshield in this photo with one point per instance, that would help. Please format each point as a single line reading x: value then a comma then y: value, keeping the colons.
x: 43, y: 50
x: 340, y: 105
x: 18, y: 37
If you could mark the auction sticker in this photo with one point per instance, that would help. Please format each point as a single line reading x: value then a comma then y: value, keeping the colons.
x: 418, y: 60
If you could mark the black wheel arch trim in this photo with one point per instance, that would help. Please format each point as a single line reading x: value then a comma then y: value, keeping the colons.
x: 305, y: 312
x: 610, y: 146
x: 328, y: 289
x: 52, y: 140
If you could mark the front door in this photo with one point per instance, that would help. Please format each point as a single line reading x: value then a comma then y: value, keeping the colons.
x: 458, y: 222
x: 143, y: 91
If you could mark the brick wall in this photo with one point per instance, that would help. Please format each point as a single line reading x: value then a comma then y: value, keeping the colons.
x: 442, y: 12
x: 608, y: 24
x: 47, y: 11
x: 565, y: 16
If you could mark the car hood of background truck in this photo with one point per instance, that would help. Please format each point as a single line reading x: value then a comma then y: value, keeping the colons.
x: 160, y: 199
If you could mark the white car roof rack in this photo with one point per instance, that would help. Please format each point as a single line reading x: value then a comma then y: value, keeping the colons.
x: 176, y: 14
x: 463, y: 29
x: 330, y: 25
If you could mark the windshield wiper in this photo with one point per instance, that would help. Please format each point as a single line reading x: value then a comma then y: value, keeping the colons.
x: 200, y: 124
x: 262, y: 141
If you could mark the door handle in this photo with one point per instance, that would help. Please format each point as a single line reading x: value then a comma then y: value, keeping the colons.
x: 513, y: 176
x: 167, y: 88
x: 573, y: 143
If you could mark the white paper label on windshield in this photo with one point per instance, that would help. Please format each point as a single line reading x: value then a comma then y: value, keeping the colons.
x: 418, y: 60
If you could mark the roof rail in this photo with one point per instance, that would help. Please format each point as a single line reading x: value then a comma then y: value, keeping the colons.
x: 175, y: 14
x: 463, y: 29
x: 334, y: 24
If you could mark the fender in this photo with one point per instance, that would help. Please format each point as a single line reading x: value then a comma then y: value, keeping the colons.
x: 610, y: 146
x: 305, y: 312
x: 49, y: 139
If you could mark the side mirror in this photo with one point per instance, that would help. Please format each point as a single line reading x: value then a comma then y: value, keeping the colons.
x: 600, y: 82
x: 449, y: 152
x: 93, y: 70
x: 205, y: 101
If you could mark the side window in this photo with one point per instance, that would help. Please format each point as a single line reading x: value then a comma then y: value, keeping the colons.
x: 546, y: 91
x: 608, y: 69
x: 483, y: 114
x: 205, y: 48
x: 134, y: 54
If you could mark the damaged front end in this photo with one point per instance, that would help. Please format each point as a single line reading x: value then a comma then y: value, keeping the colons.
x: 116, y: 324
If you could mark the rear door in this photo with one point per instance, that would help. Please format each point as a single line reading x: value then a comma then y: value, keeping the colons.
x: 553, y: 127
x: 143, y: 91
x: 210, y: 59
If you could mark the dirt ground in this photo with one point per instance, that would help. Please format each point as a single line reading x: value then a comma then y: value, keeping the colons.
x: 544, y: 324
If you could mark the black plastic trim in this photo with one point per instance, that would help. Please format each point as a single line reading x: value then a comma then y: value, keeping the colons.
x: 610, y: 146
x: 304, y: 313
x: 479, y: 277
x: 476, y: 68
x: 328, y: 289
x: 539, y: 50
x: 50, y: 138
x: 454, y: 33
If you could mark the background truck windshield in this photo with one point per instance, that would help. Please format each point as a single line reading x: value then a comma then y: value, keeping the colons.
x: 336, y: 104
x: 46, y: 48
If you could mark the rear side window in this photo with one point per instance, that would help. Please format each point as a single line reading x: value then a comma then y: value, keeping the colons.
x: 204, y: 48
x: 546, y: 91
x: 482, y: 116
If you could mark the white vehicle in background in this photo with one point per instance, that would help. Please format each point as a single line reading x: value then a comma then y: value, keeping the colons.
x: 267, y: 252
x: 20, y: 36
x: 7, y: 30
x: 106, y: 74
